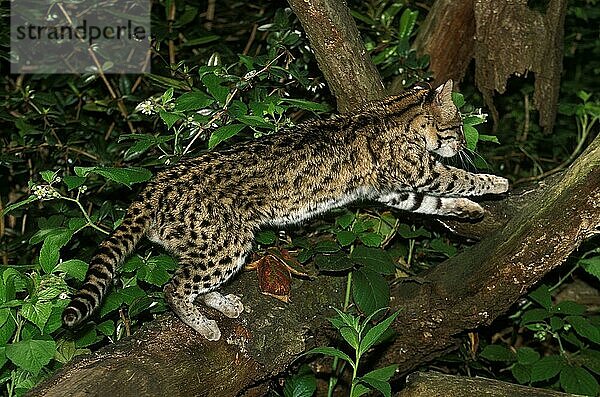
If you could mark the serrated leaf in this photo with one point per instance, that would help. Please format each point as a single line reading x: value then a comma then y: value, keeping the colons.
x: 50, y: 251
x: 522, y: 373
x: 73, y: 267
x: 371, y: 239
x: 37, y: 313
x: 370, y: 291
x: 345, y: 220
x: 169, y: 118
x: 591, y: 359
x: 542, y: 296
x: 213, y: 84
x: 345, y: 237
x: 326, y: 246
x: 577, y: 380
x: 31, y: 355
x: 584, y: 328
x: 534, y: 316
x: 193, y: 100
x: 546, y: 368
x: 374, y: 259
x: 591, y: 265
x: 569, y: 308
x: 223, y: 133
x: 526, y: 355
x: 307, y: 105
x: 112, y: 302
x: 375, y: 333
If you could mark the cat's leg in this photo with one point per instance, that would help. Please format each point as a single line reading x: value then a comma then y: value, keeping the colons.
x: 205, y: 264
x: 428, y: 204
x: 449, y: 181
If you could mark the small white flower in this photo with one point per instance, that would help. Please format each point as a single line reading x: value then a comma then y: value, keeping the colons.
x: 146, y: 107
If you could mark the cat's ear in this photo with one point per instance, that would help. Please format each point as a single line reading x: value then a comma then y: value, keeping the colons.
x: 443, y: 98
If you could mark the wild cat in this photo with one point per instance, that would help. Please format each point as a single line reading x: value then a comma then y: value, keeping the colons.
x: 206, y: 210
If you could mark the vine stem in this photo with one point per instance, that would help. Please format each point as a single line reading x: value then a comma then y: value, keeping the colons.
x: 87, y: 217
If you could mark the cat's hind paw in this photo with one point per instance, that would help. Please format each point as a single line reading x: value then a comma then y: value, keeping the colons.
x: 205, y: 327
x: 230, y: 305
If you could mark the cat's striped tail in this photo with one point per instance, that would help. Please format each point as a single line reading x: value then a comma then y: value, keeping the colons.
x: 110, y: 254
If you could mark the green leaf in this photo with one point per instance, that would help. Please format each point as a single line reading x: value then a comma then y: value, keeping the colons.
x: 73, y: 267
x: 307, y: 105
x: 266, y: 237
x: 349, y: 334
x: 497, y: 353
x: 577, y: 380
x: 591, y: 265
x: 224, y: 132
x: 50, y: 251
x: 407, y: 23
x: 73, y: 181
x: 458, y: 99
x: 14, y: 206
x: 591, y: 359
x: 346, y: 220
x: 371, y: 239
x: 345, y: 237
x: 155, y: 269
x: 327, y: 246
x: 374, y: 259
x: 534, y: 316
x: 360, y: 390
x: 301, y: 385
x: 370, y: 291
x: 584, y: 328
x: 193, y: 100
x: 542, y: 296
x: 333, y: 263
x: 31, y: 355
x: 471, y: 136
x: 169, y: 118
x: 406, y: 232
x: 132, y: 293
x: 333, y: 352
x: 49, y: 176
x: 442, y: 247
x: 375, y: 333
x: 112, y: 302
x: 526, y: 355
x: 383, y: 374
x: 522, y: 373
x: 125, y: 176
x: 213, y: 84
x: 569, y: 308
x: 547, y: 368
x: 37, y: 313
x: 489, y: 138
x: 383, y: 386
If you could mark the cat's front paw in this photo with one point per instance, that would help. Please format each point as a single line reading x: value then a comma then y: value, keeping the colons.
x: 496, y: 184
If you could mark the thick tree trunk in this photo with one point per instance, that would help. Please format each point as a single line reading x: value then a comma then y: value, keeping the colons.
x: 505, y: 39
x: 340, y: 52
x: 430, y: 384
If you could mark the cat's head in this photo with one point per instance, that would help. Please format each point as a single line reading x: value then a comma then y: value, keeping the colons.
x: 444, y: 128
